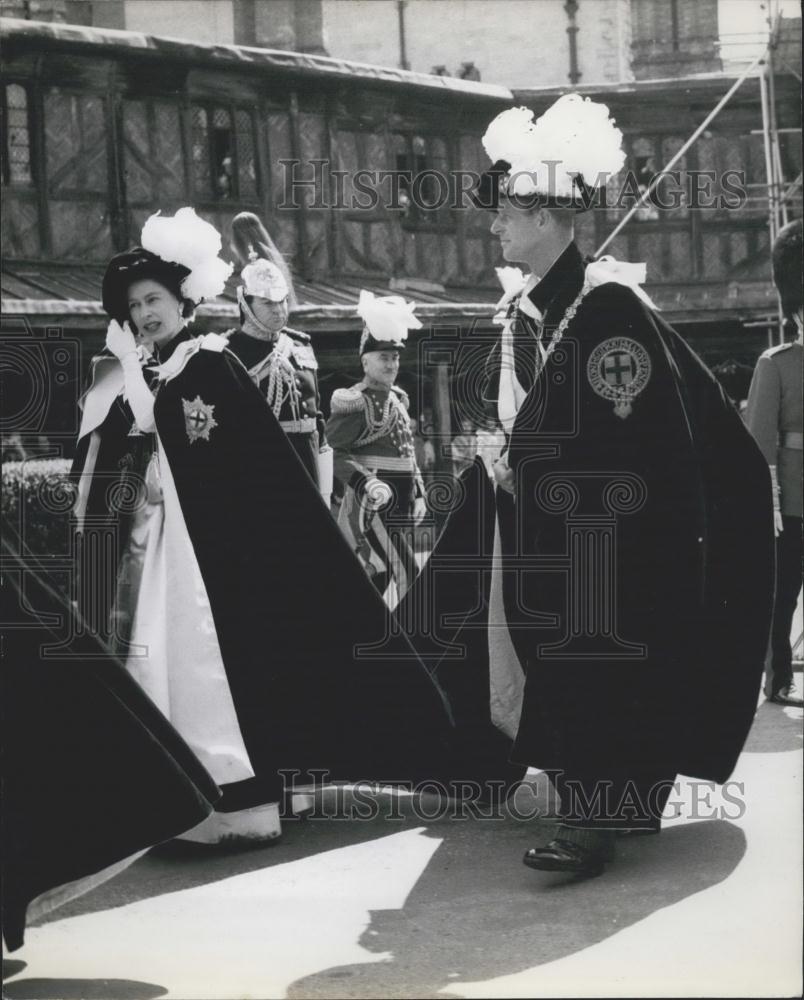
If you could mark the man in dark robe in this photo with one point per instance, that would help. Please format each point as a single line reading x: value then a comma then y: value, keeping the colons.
x: 636, y: 527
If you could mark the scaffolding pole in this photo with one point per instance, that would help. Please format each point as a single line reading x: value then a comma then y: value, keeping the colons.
x: 681, y: 152
x: 776, y: 196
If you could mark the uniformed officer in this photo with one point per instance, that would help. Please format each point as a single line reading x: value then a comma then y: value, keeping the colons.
x: 774, y: 417
x: 370, y: 431
x: 282, y: 364
x: 634, y: 567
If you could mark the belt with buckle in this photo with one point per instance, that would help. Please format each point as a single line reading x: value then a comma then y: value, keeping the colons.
x: 303, y: 426
x: 387, y: 463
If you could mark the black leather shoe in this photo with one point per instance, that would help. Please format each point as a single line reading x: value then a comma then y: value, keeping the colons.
x: 564, y: 856
x: 786, y: 696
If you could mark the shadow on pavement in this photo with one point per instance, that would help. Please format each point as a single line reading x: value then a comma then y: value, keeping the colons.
x: 82, y: 989
x: 476, y: 913
x: 776, y: 729
x: 12, y: 967
x: 176, y: 866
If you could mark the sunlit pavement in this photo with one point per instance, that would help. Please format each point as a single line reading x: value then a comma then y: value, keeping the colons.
x: 422, y: 907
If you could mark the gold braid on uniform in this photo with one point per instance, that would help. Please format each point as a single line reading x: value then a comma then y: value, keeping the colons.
x: 281, y: 383
x: 393, y: 414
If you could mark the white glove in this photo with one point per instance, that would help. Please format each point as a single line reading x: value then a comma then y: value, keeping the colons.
x: 778, y: 523
x: 120, y: 341
x: 419, y: 510
x: 377, y: 494
x: 325, y: 473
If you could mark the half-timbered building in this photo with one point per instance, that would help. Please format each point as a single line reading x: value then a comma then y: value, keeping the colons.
x: 102, y: 127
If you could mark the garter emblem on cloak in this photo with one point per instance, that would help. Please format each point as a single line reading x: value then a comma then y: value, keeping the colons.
x: 198, y: 418
x: 618, y: 370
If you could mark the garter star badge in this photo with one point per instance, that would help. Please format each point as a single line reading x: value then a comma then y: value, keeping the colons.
x: 618, y: 370
x: 198, y: 418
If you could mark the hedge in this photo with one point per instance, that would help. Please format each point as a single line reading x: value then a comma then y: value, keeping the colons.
x: 37, y: 499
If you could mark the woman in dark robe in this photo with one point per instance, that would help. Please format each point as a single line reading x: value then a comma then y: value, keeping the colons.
x: 228, y: 588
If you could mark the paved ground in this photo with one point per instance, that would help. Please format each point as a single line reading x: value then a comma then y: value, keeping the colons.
x: 414, y: 907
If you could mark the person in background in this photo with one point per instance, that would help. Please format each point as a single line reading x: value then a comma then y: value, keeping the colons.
x: 774, y: 417
x: 249, y: 236
x: 375, y: 461
x: 490, y: 444
x: 283, y: 365
x: 735, y: 379
x: 426, y: 442
x: 427, y: 422
x: 423, y: 447
x: 464, y: 447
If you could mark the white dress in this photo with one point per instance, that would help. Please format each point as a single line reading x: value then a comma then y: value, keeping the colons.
x: 166, y: 633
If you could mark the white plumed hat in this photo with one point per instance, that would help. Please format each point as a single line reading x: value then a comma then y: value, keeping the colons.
x: 193, y: 243
x: 386, y: 322
x: 573, y: 147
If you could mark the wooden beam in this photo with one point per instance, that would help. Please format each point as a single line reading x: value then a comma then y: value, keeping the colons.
x: 302, y: 214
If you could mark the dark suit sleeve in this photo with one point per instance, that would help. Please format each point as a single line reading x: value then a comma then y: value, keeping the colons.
x: 344, y: 427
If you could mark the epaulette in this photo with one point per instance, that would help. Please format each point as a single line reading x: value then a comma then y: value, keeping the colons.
x: 404, y: 398
x: 347, y: 400
x: 771, y: 351
x: 302, y: 349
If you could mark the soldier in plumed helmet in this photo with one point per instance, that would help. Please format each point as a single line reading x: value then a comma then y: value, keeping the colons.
x: 282, y: 363
x: 369, y: 429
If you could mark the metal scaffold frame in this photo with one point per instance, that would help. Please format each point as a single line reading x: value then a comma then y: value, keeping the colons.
x: 776, y: 189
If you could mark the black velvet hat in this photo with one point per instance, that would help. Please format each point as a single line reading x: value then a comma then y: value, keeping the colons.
x: 492, y: 185
x: 138, y: 264
x: 487, y: 192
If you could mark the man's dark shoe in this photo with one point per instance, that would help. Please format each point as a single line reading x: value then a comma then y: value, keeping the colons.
x: 786, y: 696
x: 564, y: 856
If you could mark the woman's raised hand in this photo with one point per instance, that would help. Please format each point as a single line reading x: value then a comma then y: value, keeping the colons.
x: 120, y: 340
